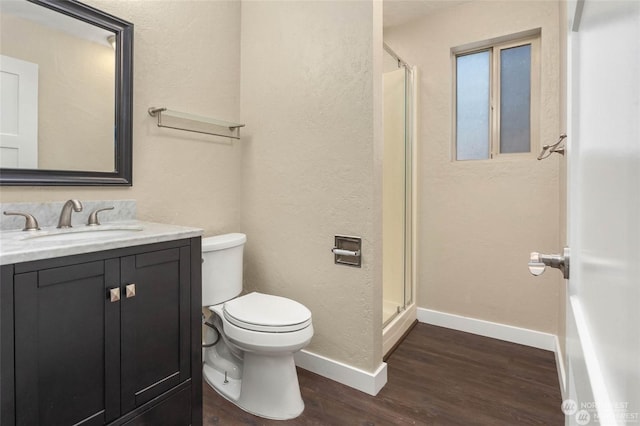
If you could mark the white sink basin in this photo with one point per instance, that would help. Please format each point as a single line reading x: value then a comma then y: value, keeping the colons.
x: 75, y: 234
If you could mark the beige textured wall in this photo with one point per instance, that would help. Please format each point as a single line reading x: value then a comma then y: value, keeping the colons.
x: 186, y: 57
x: 312, y: 156
x: 478, y: 220
x: 75, y: 79
x: 311, y: 81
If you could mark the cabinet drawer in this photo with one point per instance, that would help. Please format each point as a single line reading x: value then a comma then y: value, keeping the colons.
x: 173, y: 411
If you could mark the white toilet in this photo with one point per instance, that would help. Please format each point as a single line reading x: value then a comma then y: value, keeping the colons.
x: 250, y: 340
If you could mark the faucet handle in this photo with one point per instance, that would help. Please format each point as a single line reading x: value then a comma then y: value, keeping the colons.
x: 93, y: 217
x: 31, y: 224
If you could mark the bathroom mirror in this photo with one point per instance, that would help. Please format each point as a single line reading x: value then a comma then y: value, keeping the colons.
x: 66, y: 86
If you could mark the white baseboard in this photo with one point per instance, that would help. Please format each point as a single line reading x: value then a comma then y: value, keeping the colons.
x: 562, y: 375
x: 372, y: 383
x: 522, y: 336
x: 361, y: 380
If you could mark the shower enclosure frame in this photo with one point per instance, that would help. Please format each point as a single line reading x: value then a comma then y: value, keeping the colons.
x: 398, y: 325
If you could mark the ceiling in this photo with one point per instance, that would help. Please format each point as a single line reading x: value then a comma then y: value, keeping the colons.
x: 55, y: 20
x: 398, y: 12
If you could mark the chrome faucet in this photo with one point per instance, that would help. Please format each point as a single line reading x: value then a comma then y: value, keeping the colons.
x: 65, y: 214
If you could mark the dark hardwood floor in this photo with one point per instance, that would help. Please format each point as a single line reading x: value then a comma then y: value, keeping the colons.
x: 436, y: 376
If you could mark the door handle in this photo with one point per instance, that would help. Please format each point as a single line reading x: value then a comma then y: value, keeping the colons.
x: 538, y: 262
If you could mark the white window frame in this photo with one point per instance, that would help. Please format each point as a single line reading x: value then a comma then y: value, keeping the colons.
x: 494, y: 47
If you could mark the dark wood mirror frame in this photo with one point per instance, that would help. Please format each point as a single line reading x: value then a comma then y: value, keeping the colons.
x: 123, y: 173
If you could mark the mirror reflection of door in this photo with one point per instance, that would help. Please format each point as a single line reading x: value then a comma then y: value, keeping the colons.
x: 18, y: 113
x: 76, y: 79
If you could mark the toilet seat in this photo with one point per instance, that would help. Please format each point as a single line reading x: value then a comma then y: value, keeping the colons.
x: 267, y: 313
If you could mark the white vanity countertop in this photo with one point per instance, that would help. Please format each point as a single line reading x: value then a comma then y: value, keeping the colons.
x: 24, y: 246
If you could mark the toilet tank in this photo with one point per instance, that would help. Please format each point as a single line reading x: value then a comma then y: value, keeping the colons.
x: 222, y: 268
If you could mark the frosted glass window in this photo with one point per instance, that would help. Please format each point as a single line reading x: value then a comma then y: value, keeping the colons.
x: 472, y: 106
x: 515, y: 99
x: 497, y: 98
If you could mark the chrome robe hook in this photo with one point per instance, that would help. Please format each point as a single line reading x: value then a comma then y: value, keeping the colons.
x: 547, y: 150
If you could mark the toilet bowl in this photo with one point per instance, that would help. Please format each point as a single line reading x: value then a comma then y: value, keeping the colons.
x: 250, y: 340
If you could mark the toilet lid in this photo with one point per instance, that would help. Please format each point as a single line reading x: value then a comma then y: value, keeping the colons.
x: 264, y: 312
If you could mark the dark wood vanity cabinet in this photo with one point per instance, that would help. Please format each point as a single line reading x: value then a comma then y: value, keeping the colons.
x: 75, y: 352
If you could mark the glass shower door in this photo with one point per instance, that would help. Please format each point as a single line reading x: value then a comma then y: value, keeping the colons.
x: 396, y: 195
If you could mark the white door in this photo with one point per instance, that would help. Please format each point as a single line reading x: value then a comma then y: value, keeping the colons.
x: 18, y: 113
x: 603, y: 307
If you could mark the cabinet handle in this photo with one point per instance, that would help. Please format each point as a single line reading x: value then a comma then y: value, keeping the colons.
x: 131, y: 290
x: 114, y: 294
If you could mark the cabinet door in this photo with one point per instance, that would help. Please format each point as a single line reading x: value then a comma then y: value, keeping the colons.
x: 67, y: 345
x: 155, y: 327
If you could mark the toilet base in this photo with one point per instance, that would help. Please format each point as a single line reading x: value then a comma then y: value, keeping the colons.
x: 216, y: 379
x: 269, y: 386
